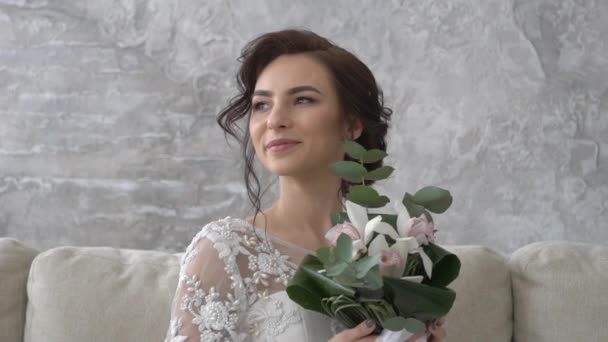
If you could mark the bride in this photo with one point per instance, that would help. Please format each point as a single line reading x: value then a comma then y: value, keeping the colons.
x: 301, y: 97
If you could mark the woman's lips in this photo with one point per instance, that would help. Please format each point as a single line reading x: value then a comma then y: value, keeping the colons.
x: 282, y: 147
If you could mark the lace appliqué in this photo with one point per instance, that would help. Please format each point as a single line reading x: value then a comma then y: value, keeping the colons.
x: 174, y: 327
x: 269, y: 319
x: 218, y: 317
x: 213, y: 316
x: 265, y: 262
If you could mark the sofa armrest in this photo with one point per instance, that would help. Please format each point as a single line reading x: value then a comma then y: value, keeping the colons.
x: 560, y: 292
x: 15, y: 261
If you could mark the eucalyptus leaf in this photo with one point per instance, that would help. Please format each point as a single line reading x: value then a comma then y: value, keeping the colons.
x: 341, y: 217
x: 380, y: 173
x: 338, y: 217
x: 365, y: 264
x: 373, y: 156
x: 433, y: 198
x: 381, y: 202
x: 373, y: 279
x: 349, y: 170
x: 413, y: 325
x: 354, y: 149
x: 336, y: 269
x: 325, y: 255
x: 413, y: 209
x: 344, y: 248
x: 366, y: 196
x: 396, y: 323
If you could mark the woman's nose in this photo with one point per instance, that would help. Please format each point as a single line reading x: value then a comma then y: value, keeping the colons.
x: 279, y: 117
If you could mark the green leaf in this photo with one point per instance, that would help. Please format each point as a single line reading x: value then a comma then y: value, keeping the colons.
x: 365, y: 264
x: 413, y: 325
x: 380, y: 173
x: 336, y: 269
x: 348, y: 277
x: 344, y: 248
x: 349, y: 170
x: 325, y: 255
x: 341, y: 217
x: 373, y: 156
x: 353, y: 313
x: 366, y: 196
x: 397, y: 323
x: 382, y: 201
x: 420, y: 301
x: 446, y: 265
x: 373, y: 279
x: 381, y: 310
x: 435, y: 199
x: 338, y: 217
x: 413, y: 209
x: 354, y: 149
x: 362, y: 194
x: 308, y: 287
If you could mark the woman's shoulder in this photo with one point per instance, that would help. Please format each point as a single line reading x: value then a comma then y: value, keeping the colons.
x: 225, y: 237
x: 223, y: 228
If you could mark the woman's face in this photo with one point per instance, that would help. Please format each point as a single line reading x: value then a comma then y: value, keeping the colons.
x: 295, y: 99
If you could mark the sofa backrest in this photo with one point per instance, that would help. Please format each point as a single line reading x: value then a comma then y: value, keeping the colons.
x: 105, y: 294
x: 483, y: 310
x: 15, y: 260
x: 560, y: 292
x: 100, y: 294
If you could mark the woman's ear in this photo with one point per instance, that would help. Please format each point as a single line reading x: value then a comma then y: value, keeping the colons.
x: 355, y: 128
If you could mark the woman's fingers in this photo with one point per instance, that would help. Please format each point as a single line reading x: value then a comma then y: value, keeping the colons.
x: 437, y: 330
x: 358, y: 333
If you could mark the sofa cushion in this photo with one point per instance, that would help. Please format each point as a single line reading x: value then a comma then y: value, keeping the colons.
x: 560, y: 292
x: 483, y: 309
x: 15, y: 260
x: 100, y: 294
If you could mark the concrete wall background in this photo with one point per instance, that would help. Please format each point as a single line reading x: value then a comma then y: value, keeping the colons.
x: 107, y: 113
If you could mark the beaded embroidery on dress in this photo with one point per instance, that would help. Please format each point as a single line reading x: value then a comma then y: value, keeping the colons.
x: 231, y: 287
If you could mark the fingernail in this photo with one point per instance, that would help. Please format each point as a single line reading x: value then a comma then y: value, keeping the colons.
x: 370, y: 323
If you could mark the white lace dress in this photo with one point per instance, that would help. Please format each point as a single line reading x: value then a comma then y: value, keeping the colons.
x: 232, y: 288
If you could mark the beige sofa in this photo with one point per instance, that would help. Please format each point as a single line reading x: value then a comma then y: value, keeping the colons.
x: 547, y: 291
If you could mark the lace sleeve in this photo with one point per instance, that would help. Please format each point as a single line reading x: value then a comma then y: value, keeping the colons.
x: 210, y: 300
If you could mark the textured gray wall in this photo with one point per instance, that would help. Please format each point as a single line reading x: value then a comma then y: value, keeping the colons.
x: 107, y: 113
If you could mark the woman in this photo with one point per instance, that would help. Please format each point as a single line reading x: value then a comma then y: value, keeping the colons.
x: 301, y: 96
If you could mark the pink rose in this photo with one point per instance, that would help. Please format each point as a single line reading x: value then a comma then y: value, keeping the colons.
x: 347, y: 228
x: 421, y: 229
x: 391, y: 263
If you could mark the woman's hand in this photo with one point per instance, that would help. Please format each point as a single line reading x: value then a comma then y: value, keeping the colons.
x: 360, y: 333
x: 436, y: 330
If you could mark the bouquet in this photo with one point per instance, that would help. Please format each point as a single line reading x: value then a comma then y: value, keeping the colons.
x: 383, y: 267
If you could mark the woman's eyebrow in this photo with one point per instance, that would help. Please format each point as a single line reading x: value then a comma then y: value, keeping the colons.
x: 295, y: 90
x: 290, y: 91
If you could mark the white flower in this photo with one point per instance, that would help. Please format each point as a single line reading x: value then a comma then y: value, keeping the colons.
x: 364, y: 228
x: 358, y: 217
x: 403, y: 246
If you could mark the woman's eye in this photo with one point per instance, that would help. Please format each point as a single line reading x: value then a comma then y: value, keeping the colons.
x: 303, y: 99
x: 257, y: 106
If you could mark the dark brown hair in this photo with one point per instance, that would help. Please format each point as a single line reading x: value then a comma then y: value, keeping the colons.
x: 358, y: 94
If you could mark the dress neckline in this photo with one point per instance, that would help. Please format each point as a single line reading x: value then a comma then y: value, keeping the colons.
x: 272, y: 237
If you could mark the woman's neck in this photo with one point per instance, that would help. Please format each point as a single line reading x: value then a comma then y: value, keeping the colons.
x: 302, y: 213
